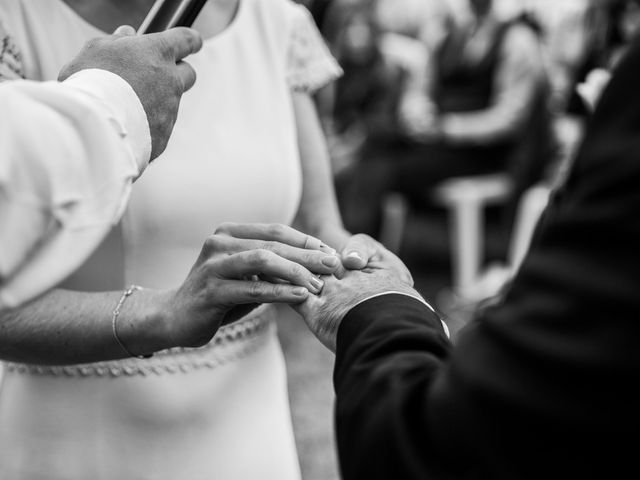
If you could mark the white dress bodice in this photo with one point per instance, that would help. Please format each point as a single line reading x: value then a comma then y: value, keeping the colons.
x: 233, y: 156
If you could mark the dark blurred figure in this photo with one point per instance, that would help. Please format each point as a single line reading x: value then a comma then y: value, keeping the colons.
x: 610, y: 26
x: 483, y: 109
x: 360, y: 109
x: 318, y: 9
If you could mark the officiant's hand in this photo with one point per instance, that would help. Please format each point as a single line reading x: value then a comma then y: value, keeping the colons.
x: 242, y: 265
x: 153, y: 65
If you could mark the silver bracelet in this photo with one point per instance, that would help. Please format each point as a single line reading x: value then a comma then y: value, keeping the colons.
x: 114, y: 319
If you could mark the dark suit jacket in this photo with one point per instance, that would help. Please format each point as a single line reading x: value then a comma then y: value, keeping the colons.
x: 544, y: 385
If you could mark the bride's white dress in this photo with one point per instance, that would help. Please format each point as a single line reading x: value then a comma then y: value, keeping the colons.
x: 219, y: 412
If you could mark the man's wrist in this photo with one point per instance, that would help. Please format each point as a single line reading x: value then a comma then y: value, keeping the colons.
x: 414, y: 295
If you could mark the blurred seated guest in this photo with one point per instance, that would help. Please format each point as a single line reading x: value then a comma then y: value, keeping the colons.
x: 541, y: 385
x: 360, y: 109
x: 624, y: 26
x: 482, y: 110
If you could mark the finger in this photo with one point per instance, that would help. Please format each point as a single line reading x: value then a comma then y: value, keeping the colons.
x: 179, y: 42
x: 238, y: 292
x: 307, y: 307
x: 125, y: 31
x: 274, y: 232
x: 357, y: 251
x: 270, y: 279
x: 187, y: 74
x: 315, y: 261
x: 264, y: 262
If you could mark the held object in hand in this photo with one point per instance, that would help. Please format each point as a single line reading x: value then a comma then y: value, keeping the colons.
x: 166, y: 14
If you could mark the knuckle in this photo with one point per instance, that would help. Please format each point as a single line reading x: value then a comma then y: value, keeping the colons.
x: 213, y: 243
x: 224, y: 228
x: 210, y: 266
x: 255, y: 290
x: 296, y: 271
x: 164, y: 47
x: 309, y: 258
x: 279, y: 290
x: 259, y: 258
x: 276, y: 229
x: 268, y: 246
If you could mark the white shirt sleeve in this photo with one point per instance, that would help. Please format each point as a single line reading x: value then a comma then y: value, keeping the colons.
x: 69, y: 154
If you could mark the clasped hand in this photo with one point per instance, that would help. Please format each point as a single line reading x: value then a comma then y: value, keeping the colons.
x: 374, y: 271
x: 243, y: 265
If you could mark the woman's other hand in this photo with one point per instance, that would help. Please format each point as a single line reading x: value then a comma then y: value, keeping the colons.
x: 242, y: 265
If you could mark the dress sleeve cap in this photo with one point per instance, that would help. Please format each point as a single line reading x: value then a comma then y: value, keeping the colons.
x: 310, y: 65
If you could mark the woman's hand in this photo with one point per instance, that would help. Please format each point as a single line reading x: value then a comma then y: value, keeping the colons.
x: 242, y: 265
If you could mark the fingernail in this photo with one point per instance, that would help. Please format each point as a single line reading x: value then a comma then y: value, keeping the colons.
x: 317, y: 284
x: 354, y: 254
x: 300, y: 292
x: 327, y: 249
x: 331, y: 261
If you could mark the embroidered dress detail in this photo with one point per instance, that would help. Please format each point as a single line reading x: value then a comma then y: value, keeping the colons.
x: 310, y: 65
x: 10, y: 58
x: 231, y: 343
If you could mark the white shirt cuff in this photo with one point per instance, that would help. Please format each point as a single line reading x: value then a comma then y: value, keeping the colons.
x: 123, y: 106
x: 416, y: 297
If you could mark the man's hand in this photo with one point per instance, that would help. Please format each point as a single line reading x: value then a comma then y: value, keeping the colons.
x: 362, y: 251
x: 152, y: 64
x: 324, y: 313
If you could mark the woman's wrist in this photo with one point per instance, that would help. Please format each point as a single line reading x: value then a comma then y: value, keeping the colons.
x: 143, y: 325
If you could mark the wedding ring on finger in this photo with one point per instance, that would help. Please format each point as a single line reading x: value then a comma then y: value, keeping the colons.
x: 313, y: 243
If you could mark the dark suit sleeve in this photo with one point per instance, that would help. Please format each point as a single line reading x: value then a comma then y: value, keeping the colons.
x: 542, y: 385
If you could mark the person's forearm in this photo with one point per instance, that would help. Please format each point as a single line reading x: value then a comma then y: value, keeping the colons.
x: 66, y: 327
x: 517, y: 80
x: 319, y: 214
x: 50, y: 130
x: 385, y: 366
x: 500, y: 122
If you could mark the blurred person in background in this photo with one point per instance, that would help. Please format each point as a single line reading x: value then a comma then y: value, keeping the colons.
x: 318, y: 9
x: 481, y: 108
x: 543, y: 383
x: 623, y: 20
x: 248, y: 148
x: 360, y: 110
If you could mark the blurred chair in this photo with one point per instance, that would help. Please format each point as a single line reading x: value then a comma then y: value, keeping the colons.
x: 466, y: 199
x: 395, y: 210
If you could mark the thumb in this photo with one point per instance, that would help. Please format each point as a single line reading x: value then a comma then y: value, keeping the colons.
x: 357, y: 252
x: 125, y: 31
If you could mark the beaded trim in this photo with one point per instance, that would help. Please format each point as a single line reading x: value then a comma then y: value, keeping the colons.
x: 231, y: 343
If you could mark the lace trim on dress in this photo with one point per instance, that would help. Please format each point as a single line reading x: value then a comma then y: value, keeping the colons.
x: 310, y: 65
x: 11, y: 67
x: 230, y: 344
